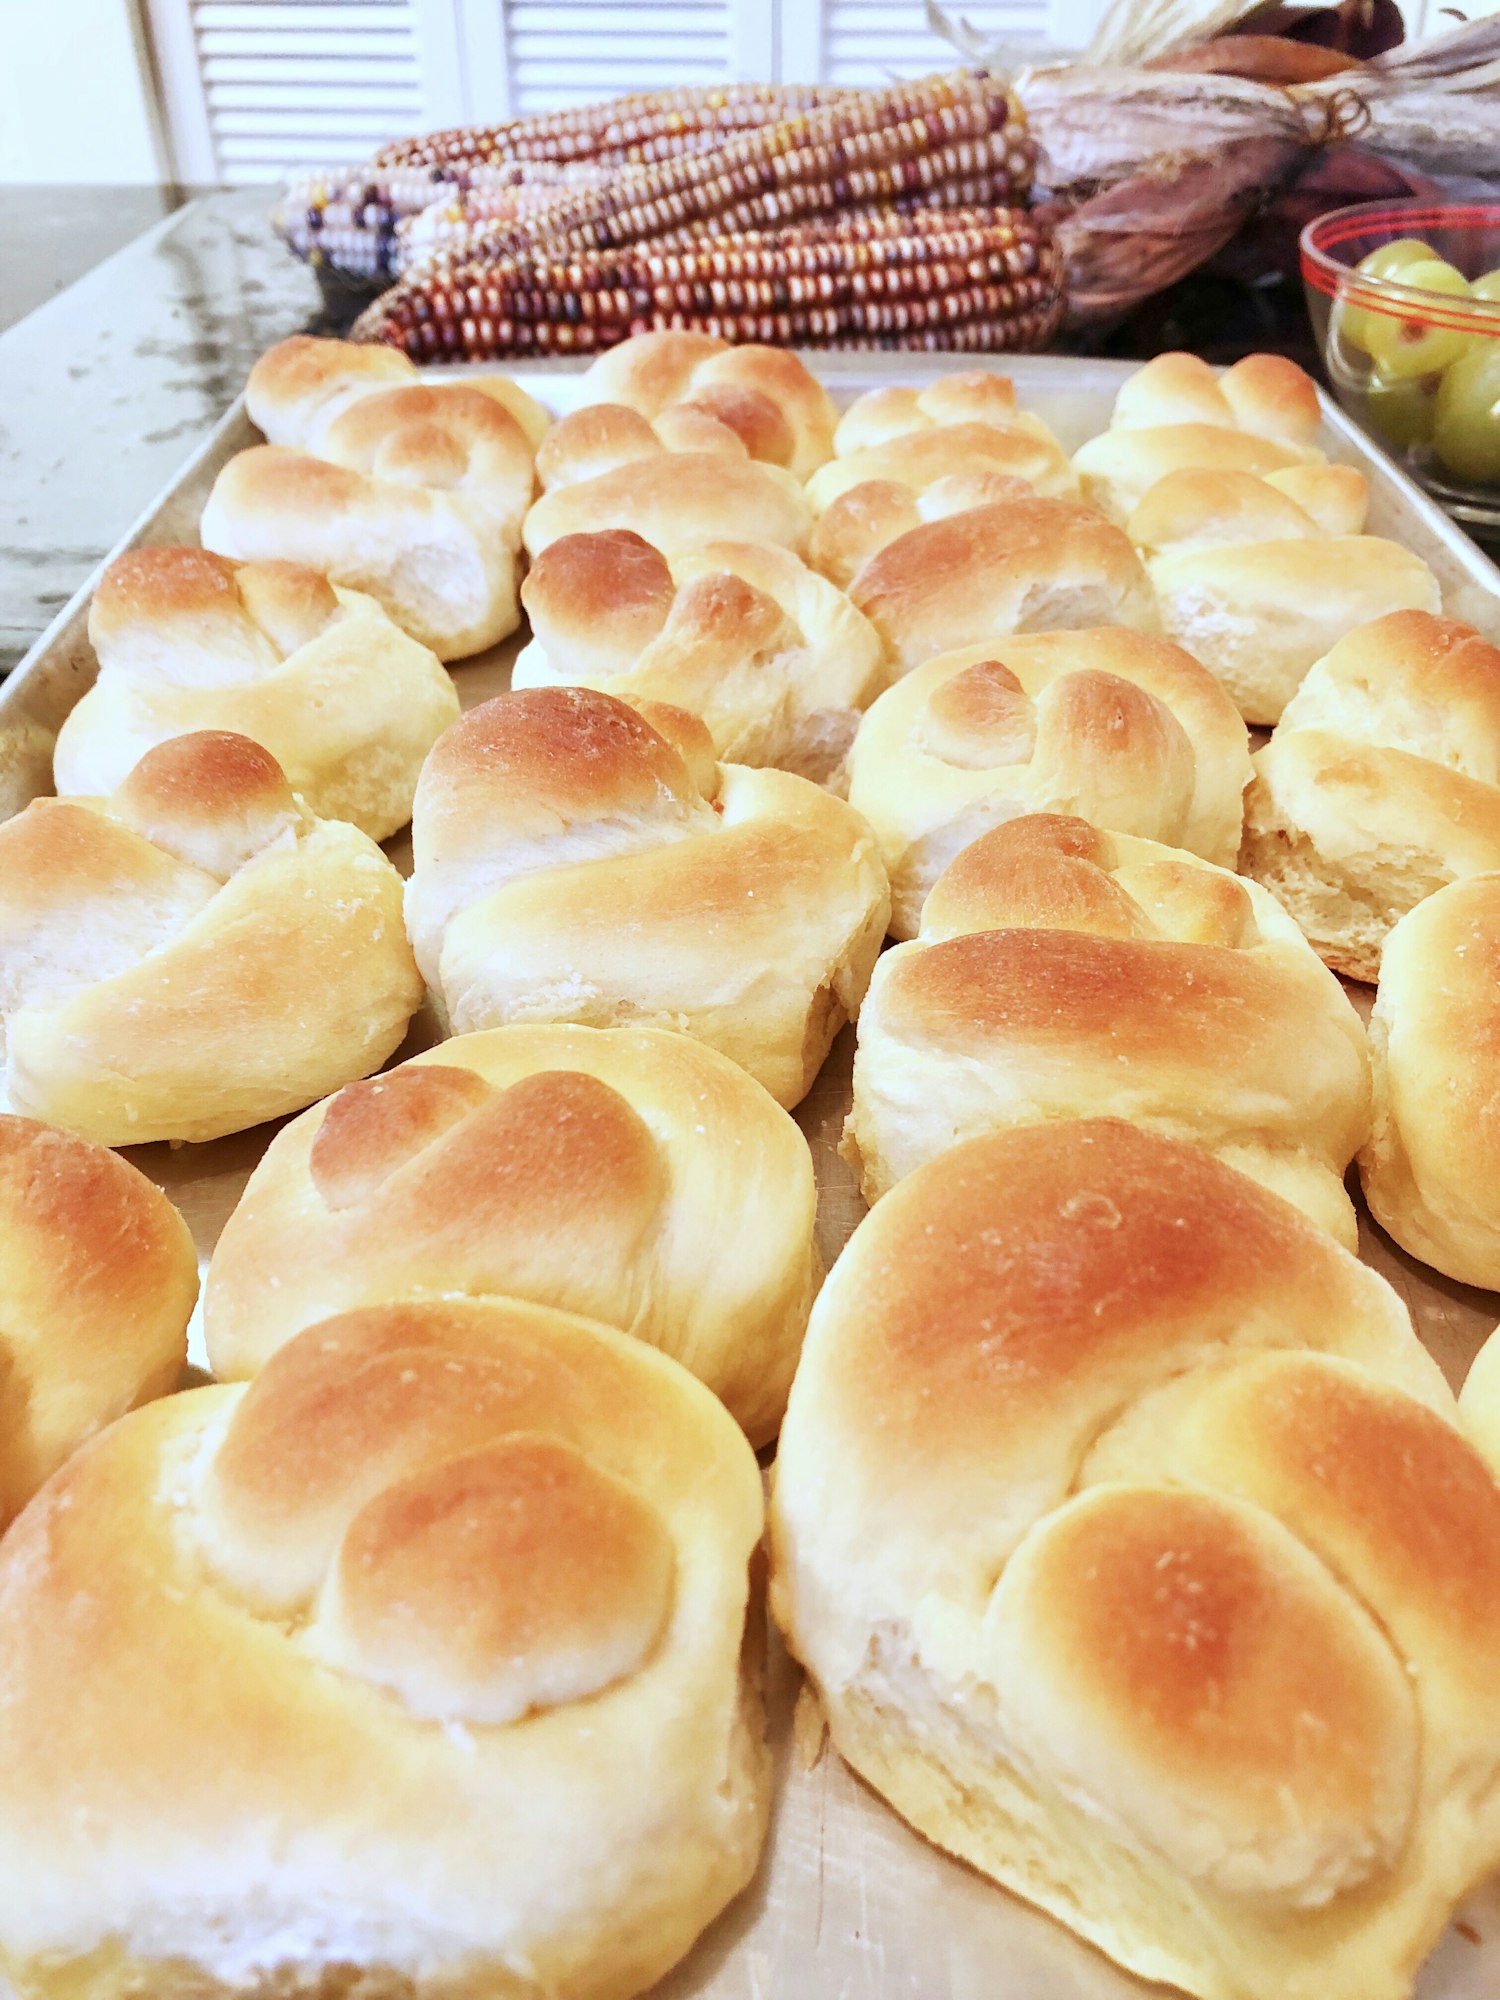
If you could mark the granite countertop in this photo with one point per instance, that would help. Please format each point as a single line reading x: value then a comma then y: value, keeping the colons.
x: 107, y: 386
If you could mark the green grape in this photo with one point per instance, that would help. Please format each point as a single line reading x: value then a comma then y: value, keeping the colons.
x: 1487, y: 287
x: 1401, y: 413
x: 1387, y: 261
x: 1402, y: 347
x: 1466, y: 434
x: 1351, y: 323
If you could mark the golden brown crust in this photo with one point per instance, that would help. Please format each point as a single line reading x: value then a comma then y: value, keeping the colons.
x: 1431, y: 1168
x: 974, y: 396
x: 411, y: 491
x: 1381, y: 784
x: 764, y: 396
x: 1264, y: 394
x: 677, y: 500
x: 920, y: 458
x: 1060, y: 969
x: 1260, y: 587
x: 579, y: 1167
x: 1033, y: 565
x: 320, y: 677
x: 1117, y: 469
x: 1129, y: 1537
x: 196, y: 953
x: 570, y: 867
x: 415, y: 1546
x: 1120, y: 726
x: 775, y: 659
x: 97, y: 1278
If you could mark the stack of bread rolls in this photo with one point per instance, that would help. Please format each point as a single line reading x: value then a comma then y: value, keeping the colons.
x: 1134, y: 1548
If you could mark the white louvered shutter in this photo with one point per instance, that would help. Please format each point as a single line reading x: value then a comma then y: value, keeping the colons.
x: 255, y: 89
x: 555, y: 53
x: 872, y: 41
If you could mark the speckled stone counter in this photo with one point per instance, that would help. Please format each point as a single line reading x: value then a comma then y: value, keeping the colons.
x: 106, y: 388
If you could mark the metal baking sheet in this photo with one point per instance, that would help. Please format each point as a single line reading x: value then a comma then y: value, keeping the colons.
x: 849, y: 1903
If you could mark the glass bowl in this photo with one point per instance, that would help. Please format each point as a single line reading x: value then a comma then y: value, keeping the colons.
x: 1417, y: 366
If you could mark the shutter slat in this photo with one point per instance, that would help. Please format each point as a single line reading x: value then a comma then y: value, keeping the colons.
x: 566, y: 52
x: 307, y: 83
x: 290, y: 17
x: 868, y: 42
x: 395, y: 96
x: 345, y: 49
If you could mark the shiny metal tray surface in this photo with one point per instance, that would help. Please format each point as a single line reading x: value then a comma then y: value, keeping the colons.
x: 849, y: 1903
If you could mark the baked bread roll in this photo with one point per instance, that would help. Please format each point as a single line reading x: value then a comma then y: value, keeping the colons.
x: 1259, y: 577
x: 973, y: 396
x: 584, y: 1168
x: 575, y: 863
x: 97, y: 1280
x: 877, y: 512
x: 679, y: 485
x: 1431, y: 1166
x: 1120, y: 727
x: 420, y: 1665
x: 1060, y: 971
x: 1026, y: 565
x: 195, y: 953
x: 895, y: 445
x: 775, y: 660
x: 345, y: 702
x: 1381, y: 783
x: 1128, y: 1535
x: 764, y: 396
x: 1261, y: 416
x: 413, y: 493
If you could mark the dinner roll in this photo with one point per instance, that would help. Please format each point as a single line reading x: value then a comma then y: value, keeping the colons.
x: 922, y: 457
x: 909, y: 441
x: 1263, y: 395
x: 1381, y: 783
x: 97, y: 1278
x: 196, y: 952
x: 1431, y: 1166
x: 775, y: 660
x: 679, y: 487
x: 414, y: 493
x: 421, y: 1666
x: 1259, y: 577
x: 584, y: 1168
x: 300, y: 387
x: 765, y: 396
x: 1061, y: 971
x: 1027, y: 565
x: 1261, y: 416
x: 870, y: 516
x: 576, y: 863
x: 1118, y: 726
x: 1128, y: 1535
x: 344, y: 701
x: 973, y: 396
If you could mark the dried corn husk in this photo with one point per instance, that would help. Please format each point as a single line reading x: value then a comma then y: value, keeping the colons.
x: 1155, y: 169
x: 1096, y: 127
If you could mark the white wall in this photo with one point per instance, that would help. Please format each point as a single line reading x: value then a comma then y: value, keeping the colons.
x: 75, y: 102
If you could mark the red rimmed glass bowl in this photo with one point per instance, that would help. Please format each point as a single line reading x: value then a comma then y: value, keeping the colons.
x: 1412, y: 352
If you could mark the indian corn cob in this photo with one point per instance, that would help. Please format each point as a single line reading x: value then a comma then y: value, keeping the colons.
x: 956, y: 141
x: 650, y: 125
x: 350, y: 220
x: 867, y: 151
x: 981, y: 280
x: 361, y: 226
